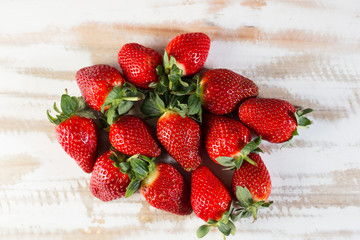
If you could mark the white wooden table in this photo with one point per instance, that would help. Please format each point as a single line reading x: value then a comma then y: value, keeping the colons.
x: 306, y: 52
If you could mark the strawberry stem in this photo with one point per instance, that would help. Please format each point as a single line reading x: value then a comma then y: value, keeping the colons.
x: 254, y: 212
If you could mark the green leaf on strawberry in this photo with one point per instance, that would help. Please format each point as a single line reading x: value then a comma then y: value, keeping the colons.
x: 132, y: 187
x: 70, y: 106
x: 153, y: 105
x: 224, y: 228
x: 301, y: 121
x: 245, y: 206
x: 244, y: 196
x: 137, y: 167
x: 120, y: 101
x: 236, y: 161
x: 203, y: 230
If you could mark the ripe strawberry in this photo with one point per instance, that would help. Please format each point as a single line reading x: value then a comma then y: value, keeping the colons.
x: 139, y: 63
x: 222, y: 90
x: 131, y: 135
x: 251, y: 184
x: 160, y: 183
x: 179, y: 134
x: 190, y: 51
x: 227, y: 141
x: 107, y: 181
x: 211, y: 201
x: 104, y: 88
x: 76, y: 131
x: 274, y: 120
x: 181, y: 137
x: 96, y: 82
x: 166, y: 189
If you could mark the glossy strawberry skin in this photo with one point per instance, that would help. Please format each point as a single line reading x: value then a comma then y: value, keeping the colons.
x: 107, y: 182
x: 223, y: 90
x: 78, y: 136
x: 210, y: 198
x: 190, y: 51
x: 139, y: 63
x: 223, y: 136
x: 272, y: 119
x: 131, y: 135
x: 256, y: 178
x: 95, y: 83
x: 181, y: 137
x: 166, y: 189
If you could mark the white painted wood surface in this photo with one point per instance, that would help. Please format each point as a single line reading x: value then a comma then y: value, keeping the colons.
x: 303, y: 51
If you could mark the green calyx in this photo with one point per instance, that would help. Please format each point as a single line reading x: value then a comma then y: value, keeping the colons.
x: 156, y: 105
x: 301, y: 121
x: 170, y: 76
x: 171, y: 81
x: 137, y: 167
x: 120, y: 100
x: 235, y: 162
x: 118, y: 159
x: 225, y: 225
x: 245, y: 206
x: 70, y: 106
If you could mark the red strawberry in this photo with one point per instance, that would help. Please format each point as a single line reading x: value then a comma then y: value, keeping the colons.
x: 75, y: 131
x: 104, y: 88
x: 256, y: 178
x: 160, y: 183
x: 131, y: 135
x: 190, y: 51
x: 251, y: 184
x: 139, y: 63
x: 166, y: 189
x: 179, y: 134
x: 107, y: 181
x: 211, y: 201
x: 222, y: 90
x: 181, y: 137
x: 274, y: 119
x: 96, y: 82
x: 227, y: 140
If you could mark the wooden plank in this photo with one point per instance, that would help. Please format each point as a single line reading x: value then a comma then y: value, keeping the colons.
x: 304, y: 51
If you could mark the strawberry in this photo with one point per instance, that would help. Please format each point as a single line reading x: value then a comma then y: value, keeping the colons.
x: 211, y: 201
x: 95, y: 83
x: 75, y: 130
x: 227, y: 141
x: 107, y: 182
x: 190, y: 51
x: 251, y: 184
x: 139, y: 63
x: 131, y: 135
x: 160, y: 183
x: 222, y: 90
x: 166, y: 189
x: 179, y: 134
x: 104, y: 88
x: 181, y: 138
x: 274, y: 120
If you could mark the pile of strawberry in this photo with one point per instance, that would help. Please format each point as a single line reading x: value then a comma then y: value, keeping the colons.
x: 191, y: 113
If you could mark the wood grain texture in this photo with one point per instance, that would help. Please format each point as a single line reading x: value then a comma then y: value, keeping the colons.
x: 306, y: 52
